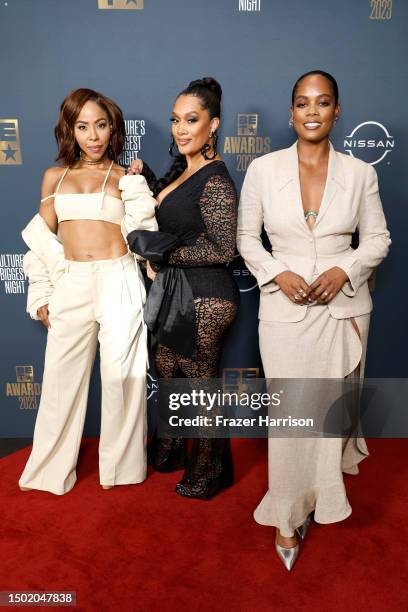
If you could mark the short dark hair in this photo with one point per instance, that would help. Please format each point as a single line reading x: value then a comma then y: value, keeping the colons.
x: 68, y: 148
x: 326, y: 75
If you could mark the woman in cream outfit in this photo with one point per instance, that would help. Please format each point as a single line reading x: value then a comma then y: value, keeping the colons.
x: 85, y: 286
x: 315, y: 304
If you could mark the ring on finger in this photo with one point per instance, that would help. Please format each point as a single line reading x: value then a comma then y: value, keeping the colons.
x: 325, y: 294
x: 296, y: 297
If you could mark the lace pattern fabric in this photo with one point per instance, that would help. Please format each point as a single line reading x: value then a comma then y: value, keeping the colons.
x: 202, y: 211
x: 209, y: 467
x: 216, y: 243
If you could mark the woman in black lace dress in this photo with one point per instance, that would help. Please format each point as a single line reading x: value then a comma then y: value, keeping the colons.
x: 197, y: 198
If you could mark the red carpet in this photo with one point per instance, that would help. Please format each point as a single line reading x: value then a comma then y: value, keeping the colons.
x: 143, y: 547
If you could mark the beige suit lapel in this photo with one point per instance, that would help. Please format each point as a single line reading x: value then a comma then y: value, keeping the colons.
x: 334, y: 181
x: 289, y: 184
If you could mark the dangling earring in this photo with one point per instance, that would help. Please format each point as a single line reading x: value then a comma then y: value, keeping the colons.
x: 291, y: 122
x: 335, y: 120
x: 207, y: 147
x: 171, y: 148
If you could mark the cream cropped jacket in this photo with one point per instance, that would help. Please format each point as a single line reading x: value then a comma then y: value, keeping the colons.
x: 44, y: 263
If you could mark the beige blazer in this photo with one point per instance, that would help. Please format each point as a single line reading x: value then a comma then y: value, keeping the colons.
x: 271, y: 197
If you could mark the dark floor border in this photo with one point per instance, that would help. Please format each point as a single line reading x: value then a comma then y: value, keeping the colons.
x: 11, y: 445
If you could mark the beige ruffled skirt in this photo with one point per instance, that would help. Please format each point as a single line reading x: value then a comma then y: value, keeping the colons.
x: 306, y: 474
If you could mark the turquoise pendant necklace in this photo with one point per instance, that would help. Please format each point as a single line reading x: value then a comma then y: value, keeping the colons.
x: 311, y: 213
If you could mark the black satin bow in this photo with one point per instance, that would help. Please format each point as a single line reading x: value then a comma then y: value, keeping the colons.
x: 169, y: 310
x: 154, y: 246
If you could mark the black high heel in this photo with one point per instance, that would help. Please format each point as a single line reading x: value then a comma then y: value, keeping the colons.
x: 167, y: 454
x: 201, y: 488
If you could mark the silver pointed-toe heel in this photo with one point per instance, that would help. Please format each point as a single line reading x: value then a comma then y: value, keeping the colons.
x: 302, y: 529
x: 288, y: 556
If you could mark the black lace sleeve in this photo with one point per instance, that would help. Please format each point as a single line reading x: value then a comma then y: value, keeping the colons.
x: 216, y: 245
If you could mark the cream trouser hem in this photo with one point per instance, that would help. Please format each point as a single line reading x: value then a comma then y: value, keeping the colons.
x: 92, y: 301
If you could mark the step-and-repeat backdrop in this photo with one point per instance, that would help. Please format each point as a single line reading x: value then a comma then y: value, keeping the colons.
x: 142, y: 53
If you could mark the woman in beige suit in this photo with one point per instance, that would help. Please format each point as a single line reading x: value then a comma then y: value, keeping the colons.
x: 315, y: 303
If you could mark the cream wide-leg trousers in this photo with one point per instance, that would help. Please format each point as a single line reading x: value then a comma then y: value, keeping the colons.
x: 92, y: 301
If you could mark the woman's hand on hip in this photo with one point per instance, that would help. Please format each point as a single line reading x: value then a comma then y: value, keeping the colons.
x: 135, y: 167
x: 294, y: 287
x: 42, y: 314
x: 327, y: 285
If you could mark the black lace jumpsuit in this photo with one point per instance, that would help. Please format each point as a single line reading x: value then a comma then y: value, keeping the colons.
x: 204, y: 205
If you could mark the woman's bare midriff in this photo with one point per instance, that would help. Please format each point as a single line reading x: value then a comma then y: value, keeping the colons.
x: 87, y: 240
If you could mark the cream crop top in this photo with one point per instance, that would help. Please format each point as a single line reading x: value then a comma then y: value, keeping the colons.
x: 99, y: 206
